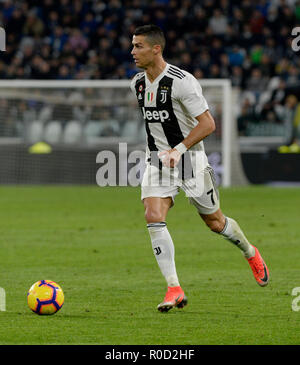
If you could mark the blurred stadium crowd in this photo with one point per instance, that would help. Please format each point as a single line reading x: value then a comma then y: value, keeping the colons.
x: 247, y: 41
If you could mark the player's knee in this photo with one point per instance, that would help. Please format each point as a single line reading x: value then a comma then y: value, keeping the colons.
x: 153, y: 216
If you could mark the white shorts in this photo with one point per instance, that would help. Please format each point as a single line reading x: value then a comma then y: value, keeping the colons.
x: 201, y: 189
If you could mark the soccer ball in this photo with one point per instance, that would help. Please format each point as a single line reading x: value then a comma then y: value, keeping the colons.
x: 45, y: 297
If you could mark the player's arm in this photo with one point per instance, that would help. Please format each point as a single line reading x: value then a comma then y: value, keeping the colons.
x: 206, y: 126
x: 189, y: 94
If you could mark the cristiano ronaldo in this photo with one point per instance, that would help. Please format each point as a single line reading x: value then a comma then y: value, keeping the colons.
x: 177, y: 120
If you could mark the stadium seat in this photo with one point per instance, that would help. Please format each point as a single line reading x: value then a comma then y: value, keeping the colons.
x: 130, y: 129
x: 20, y: 128
x: 97, y: 128
x: 45, y: 114
x: 72, y: 132
x: 29, y: 115
x: 53, y: 132
x: 92, y: 129
x: 110, y: 128
x: 35, y: 131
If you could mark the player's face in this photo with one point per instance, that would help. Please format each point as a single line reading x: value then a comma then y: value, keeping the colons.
x: 143, y: 52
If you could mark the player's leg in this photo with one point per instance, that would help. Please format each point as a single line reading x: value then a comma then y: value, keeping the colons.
x: 159, y: 189
x: 230, y: 229
x: 208, y: 207
x: 156, y: 210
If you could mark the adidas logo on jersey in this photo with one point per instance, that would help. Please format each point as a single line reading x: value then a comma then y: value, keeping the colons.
x: 152, y: 114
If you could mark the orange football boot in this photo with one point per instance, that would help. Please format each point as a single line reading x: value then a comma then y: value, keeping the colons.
x: 259, y: 268
x: 174, y: 298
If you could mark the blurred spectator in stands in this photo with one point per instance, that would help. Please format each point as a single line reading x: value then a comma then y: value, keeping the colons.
x: 8, y: 9
x: 290, y: 116
x: 214, y: 71
x: 186, y: 62
x: 256, y: 83
x: 121, y: 53
x: 218, y: 22
x: 216, y: 49
x: 263, y: 6
x: 120, y: 73
x: 199, y: 22
x: 272, y: 19
x: 26, y: 53
x: 275, y: 101
x: 256, y: 53
x: 256, y: 23
x: 271, y: 117
x: 63, y: 73
x: 248, y: 42
x: 266, y: 65
x: 89, y: 24
x: 58, y: 39
x: 16, y: 23
x: 77, y: 40
x: 293, y: 78
x: 291, y: 120
x: 238, y: 20
x: 33, y: 25
x: 203, y: 62
x: 286, y: 15
x: 230, y: 37
x: 281, y: 36
x: 270, y: 49
x: 237, y: 78
x: 36, y: 67
x: 279, y: 92
x: 198, y: 73
x: 282, y: 68
x: 225, y: 68
x: 247, y: 9
x: 246, y: 37
x: 247, y: 115
x: 44, y: 71
x: 236, y: 56
x: 51, y: 21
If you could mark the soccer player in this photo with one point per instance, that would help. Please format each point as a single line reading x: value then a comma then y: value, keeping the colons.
x: 177, y: 119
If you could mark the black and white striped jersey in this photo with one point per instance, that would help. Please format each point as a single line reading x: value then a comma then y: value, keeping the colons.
x: 169, y: 106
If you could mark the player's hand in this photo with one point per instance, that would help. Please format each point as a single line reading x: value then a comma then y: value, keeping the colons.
x: 170, y: 158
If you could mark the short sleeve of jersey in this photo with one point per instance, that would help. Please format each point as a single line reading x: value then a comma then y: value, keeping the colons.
x: 133, y: 81
x: 190, y: 95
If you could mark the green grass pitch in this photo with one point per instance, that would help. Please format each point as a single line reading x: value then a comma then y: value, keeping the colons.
x: 93, y: 241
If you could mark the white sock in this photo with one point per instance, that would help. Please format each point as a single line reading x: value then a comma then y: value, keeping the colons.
x: 233, y: 233
x: 164, y: 251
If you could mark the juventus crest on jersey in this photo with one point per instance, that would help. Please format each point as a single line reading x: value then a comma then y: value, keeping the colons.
x: 169, y: 106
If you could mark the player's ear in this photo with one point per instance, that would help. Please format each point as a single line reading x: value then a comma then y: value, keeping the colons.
x: 156, y: 49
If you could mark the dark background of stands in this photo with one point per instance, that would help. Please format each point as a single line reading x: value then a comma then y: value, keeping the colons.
x: 246, y: 41
x: 74, y: 39
x: 249, y: 42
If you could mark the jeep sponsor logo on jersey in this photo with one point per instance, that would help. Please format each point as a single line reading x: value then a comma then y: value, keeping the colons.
x: 154, y: 115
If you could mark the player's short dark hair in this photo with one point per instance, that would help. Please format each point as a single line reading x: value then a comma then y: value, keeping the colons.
x: 153, y: 33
